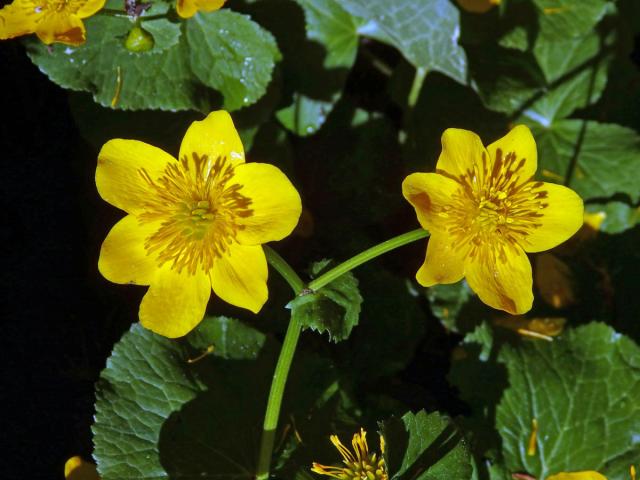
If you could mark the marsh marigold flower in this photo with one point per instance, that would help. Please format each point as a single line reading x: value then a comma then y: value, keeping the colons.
x: 586, y: 475
x: 484, y: 210
x: 477, y: 6
x: 188, y: 8
x: 194, y: 224
x: 51, y: 20
x: 77, y: 469
x: 358, y: 465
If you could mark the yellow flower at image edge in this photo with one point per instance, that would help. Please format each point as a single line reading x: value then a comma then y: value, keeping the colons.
x: 586, y: 475
x: 194, y: 224
x: 77, y: 469
x: 484, y: 210
x: 358, y: 465
x: 188, y: 8
x: 51, y: 20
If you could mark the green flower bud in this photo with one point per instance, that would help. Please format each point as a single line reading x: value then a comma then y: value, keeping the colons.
x: 139, y: 40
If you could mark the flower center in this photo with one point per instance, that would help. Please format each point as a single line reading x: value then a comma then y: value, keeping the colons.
x: 494, y: 204
x: 197, y: 207
x: 366, y: 469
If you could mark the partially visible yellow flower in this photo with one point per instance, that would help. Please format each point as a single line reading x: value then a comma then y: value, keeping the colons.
x: 554, y: 281
x: 358, y: 465
x: 51, y: 20
x: 77, y: 469
x: 194, y: 224
x: 586, y: 475
x: 478, y: 6
x: 188, y: 8
x: 484, y: 211
x: 543, y: 328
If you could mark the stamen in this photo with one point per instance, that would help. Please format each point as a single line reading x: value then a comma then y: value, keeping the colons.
x: 197, y: 206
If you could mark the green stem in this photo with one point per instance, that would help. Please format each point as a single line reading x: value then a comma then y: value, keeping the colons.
x: 418, y: 80
x: 367, y: 255
x: 293, y: 333
x: 282, y: 368
x: 284, y: 269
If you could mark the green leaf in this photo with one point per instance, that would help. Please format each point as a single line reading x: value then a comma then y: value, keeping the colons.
x: 230, y: 338
x: 334, y: 309
x: 425, y: 447
x: 426, y: 32
x: 575, y: 70
x: 618, y: 216
x: 318, y: 64
x: 607, y: 157
x: 159, y: 415
x: 176, y: 73
x: 568, y: 18
x: 232, y: 54
x: 582, y: 389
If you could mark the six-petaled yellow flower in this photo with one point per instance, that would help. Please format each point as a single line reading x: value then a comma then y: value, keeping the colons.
x: 484, y: 211
x: 194, y: 224
x: 188, y: 8
x: 51, y: 20
x: 358, y: 465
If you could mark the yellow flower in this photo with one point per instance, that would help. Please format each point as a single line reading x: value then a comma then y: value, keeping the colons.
x: 51, y: 20
x: 484, y: 211
x: 77, y: 469
x: 478, y: 6
x: 194, y: 224
x: 358, y: 465
x: 587, y: 475
x: 188, y: 8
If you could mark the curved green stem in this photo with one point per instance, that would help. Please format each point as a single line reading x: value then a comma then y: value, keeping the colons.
x: 293, y: 333
x: 418, y: 80
x: 367, y: 255
x: 282, y: 368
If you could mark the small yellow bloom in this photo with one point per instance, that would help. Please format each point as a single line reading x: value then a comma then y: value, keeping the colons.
x: 77, y: 469
x: 194, y: 224
x: 478, y: 6
x: 51, y: 20
x: 358, y: 465
x: 188, y: 8
x: 586, y: 475
x: 484, y: 211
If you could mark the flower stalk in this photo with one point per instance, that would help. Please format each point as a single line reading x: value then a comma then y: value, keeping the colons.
x: 292, y: 336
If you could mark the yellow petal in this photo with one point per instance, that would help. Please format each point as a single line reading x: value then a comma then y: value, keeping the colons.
x: 519, y: 141
x: 188, y: 8
x: 587, y: 475
x: 118, y: 175
x: 61, y: 27
x: 240, y: 277
x: 123, y: 258
x: 478, y: 6
x: 429, y: 193
x: 90, y: 7
x: 77, y: 469
x: 175, y: 303
x: 214, y: 136
x: 561, y: 218
x: 501, y: 276
x: 275, y: 203
x: 461, y: 150
x: 18, y: 18
x: 442, y: 264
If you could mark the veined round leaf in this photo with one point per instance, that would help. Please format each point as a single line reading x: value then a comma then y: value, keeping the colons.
x: 569, y: 18
x: 425, y: 32
x: 232, y: 54
x: 582, y: 389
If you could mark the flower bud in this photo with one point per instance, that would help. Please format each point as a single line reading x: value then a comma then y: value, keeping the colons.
x: 139, y: 40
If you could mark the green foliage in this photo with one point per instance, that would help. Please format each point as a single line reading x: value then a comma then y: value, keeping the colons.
x: 580, y: 389
x: 221, y: 50
x: 426, y: 33
x: 424, y: 446
x: 334, y: 309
